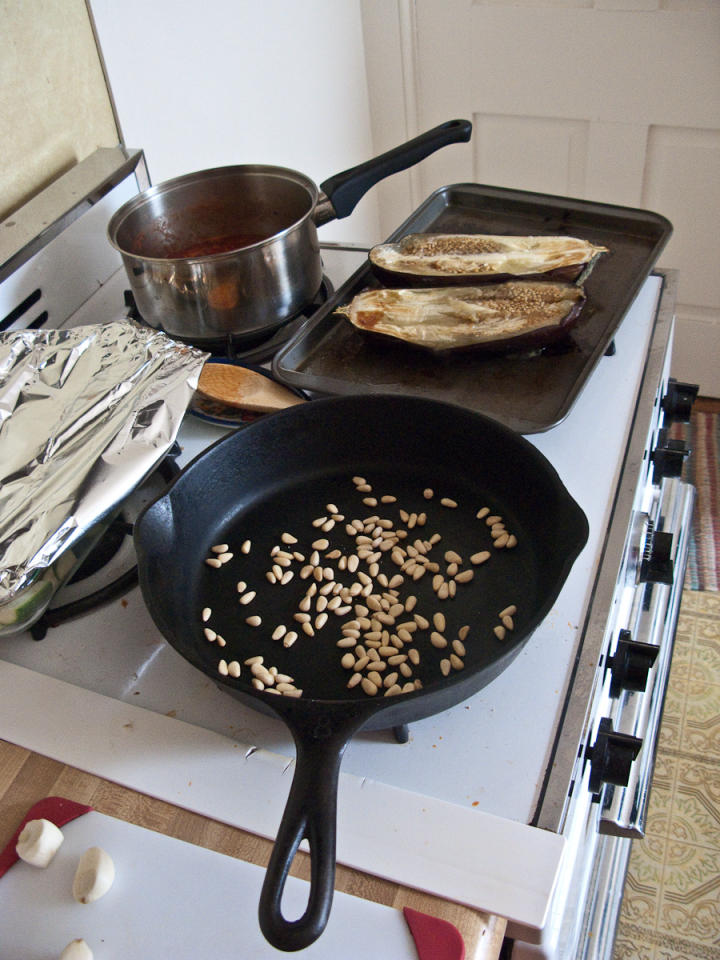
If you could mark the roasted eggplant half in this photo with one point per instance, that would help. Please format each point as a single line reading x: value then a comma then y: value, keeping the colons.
x: 512, y: 316
x: 436, y: 258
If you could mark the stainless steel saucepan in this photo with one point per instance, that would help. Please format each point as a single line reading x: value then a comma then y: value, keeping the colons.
x: 233, y: 251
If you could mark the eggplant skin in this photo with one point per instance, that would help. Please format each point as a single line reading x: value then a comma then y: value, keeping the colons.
x: 440, y: 257
x: 512, y: 316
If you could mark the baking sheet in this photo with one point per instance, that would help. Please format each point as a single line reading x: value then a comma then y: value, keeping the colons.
x: 528, y: 393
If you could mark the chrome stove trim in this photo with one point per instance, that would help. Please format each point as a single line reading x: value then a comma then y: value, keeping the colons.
x: 624, y: 809
x: 584, y: 686
x: 44, y: 217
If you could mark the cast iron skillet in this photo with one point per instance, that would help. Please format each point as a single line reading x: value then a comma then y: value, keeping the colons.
x: 278, y: 475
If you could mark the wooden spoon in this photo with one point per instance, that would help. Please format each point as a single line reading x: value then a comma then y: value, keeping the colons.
x: 243, y: 388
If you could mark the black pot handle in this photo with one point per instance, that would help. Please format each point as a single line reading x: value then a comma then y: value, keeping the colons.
x: 344, y: 190
x: 311, y: 814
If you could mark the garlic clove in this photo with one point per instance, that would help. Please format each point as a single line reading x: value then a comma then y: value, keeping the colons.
x: 38, y: 842
x: 77, y: 950
x: 94, y: 875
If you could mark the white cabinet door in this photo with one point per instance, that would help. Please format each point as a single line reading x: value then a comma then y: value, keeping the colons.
x: 610, y: 100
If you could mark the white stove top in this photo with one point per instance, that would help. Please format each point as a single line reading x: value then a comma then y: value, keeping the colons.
x: 108, y: 694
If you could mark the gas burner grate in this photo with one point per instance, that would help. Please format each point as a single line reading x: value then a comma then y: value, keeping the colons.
x: 249, y: 349
x: 109, y: 570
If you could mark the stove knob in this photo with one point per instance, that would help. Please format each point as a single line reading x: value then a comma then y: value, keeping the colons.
x: 630, y: 664
x: 657, y: 564
x: 668, y: 458
x: 611, y: 756
x: 677, y: 402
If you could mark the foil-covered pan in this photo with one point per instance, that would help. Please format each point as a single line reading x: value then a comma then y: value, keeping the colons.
x: 85, y: 415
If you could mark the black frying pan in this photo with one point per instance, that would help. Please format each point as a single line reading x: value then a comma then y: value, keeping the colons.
x: 278, y: 475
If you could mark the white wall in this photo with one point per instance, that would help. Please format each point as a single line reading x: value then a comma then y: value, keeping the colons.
x: 239, y: 81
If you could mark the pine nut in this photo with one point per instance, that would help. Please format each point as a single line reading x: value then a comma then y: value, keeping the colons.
x: 445, y: 667
x: 438, y: 640
x: 246, y: 546
x: 480, y: 557
x: 210, y: 634
x: 448, y: 502
x: 439, y: 621
x: 289, y: 638
x: 234, y: 668
x: 347, y: 661
x: 253, y: 621
x: 354, y: 680
x: 499, y: 632
x: 369, y: 687
x: 501, y: 541
x: 206, y: 614
x: 241, y: 586
x: 428, y: 493
x: 463, y: 632
x: 223, y: 668
x: 456, y: 662
x: 459, y: 647
x: 464, y: 576
x: 482, y: 512
x: 220, y: 641
x: 213, y: 562
x: 414, y: 656
x: 509, y: 611
x: 507, y: 621
x: 220, y: 548
x: 279, y: 632
x: 491, y: 521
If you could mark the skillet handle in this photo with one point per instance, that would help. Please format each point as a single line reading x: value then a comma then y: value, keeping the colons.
x: 310, y: 813
x: 344, y: 190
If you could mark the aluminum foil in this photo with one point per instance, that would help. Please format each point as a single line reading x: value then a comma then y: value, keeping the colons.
x: 85, y: 414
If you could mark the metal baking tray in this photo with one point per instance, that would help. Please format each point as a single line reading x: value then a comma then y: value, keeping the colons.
x: 529, y: 393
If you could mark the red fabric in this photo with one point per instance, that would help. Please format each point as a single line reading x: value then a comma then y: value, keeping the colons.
x: 55, y: 809
x: 435, y: 939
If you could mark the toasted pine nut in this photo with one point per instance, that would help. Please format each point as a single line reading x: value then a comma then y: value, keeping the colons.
x: 465, y: 576
x: 480, y: 557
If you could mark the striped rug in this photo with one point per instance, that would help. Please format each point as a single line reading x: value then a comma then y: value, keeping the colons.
x: 702, y: 469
